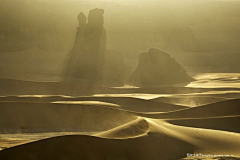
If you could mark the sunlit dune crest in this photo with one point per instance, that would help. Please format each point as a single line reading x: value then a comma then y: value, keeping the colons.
x: 87, y: 103
x: 217, y: 80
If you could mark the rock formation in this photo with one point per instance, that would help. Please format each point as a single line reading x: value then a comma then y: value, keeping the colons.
x: 89, y: 49
x: 157, y: 68
x: 89, y: 59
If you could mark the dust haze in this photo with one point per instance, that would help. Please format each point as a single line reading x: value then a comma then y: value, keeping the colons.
x: 119, y: 79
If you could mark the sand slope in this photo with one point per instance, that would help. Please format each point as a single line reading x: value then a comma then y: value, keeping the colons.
x: 128, y: 128
x: 132, y: 129
x: 85, y: 147
x: 222, y: 123
x: 190, y: 100
x: 40, y: 117
x: 126, y: 103
x: 225, y: 108
x: 161, y: 140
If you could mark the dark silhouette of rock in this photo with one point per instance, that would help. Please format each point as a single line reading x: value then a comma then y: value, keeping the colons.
x: 74, y: 56
x: 80, y: 34
x: 157, y: 68
x: 86, y: 59
x: 89, y: 59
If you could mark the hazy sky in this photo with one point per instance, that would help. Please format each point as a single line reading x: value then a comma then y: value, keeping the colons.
x: 141, y: 24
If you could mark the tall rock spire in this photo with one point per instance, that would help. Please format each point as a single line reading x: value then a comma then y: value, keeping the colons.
x: 86, y: 59
x: 80, y: 34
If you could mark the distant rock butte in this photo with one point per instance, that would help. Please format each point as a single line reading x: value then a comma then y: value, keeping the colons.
x: 89, y: 59
x: 157, y: 68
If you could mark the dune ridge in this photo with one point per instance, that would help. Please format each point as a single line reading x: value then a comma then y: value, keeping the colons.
x: 160, y: 140
x: 218, y: 109
x: 191, y: 100
x: 126, y: 127
x: 133, y: 129
x: 228, y: 123
x: 127, y: 103
x: 40, y: 117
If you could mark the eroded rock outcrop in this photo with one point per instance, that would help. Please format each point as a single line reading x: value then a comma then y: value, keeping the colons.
x: 157, y: 68
x: 89, y: 59
x: 87, y: 56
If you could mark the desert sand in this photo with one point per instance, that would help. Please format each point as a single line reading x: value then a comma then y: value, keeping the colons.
x: 119, y: 80
x: 121, y: 125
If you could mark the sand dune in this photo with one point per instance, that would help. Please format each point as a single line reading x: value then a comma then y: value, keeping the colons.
x: 190, y: 100
x: 223, y: 123
x: 160, y: 141
x: 91, y: 103
x: 72, y: 115
x: 219, y: 80
x: 85, y: 147
x: 205, y: 141
x: 219, y: 109
x: 138, y: 105
x: 225, y: 94
x: 40, y: 117
x: 132, y: 129
x: 134, y: 104
x: 125, y: 127
x: 126, y: 103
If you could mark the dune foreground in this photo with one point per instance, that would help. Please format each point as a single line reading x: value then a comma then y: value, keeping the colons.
x: 196, y: 124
